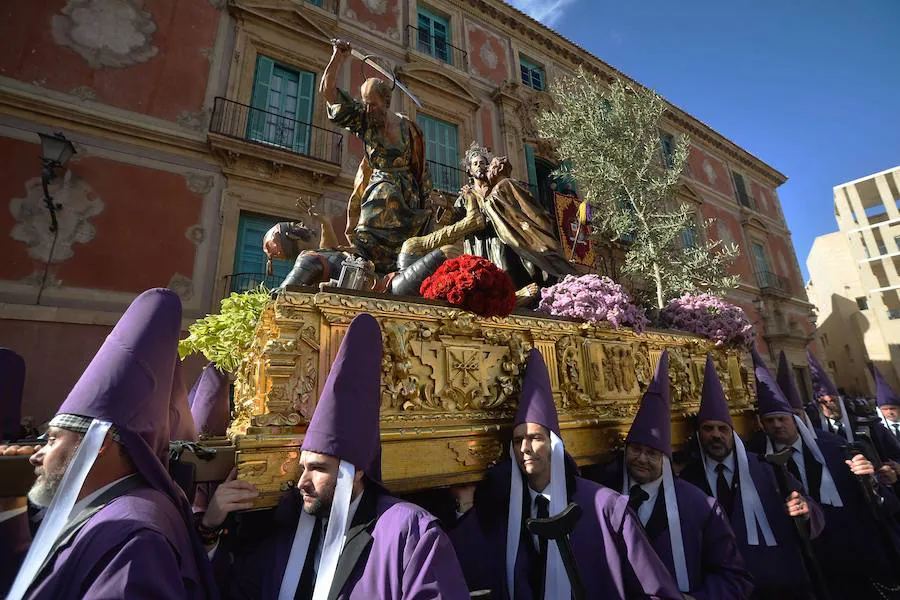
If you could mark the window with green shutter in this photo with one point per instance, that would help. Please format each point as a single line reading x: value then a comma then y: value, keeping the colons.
x: 250, y: 260
x: 532, y: 74
x: 441, y: 152
x: 434, y: 35
x: 281, y: 107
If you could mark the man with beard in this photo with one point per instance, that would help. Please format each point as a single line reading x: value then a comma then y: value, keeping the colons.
x: 748, y: 491
x: 538, y: 479
x: 687, y: 528
x: 339, y: 534
x: 832, y: 415
x: 854, y: 563
x: 388, y: 203
x: 497, y: 218
x: 117, y: 526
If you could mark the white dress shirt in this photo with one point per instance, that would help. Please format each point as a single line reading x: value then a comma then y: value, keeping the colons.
x: 533, y: 512
x: 710, y: 466
x: 646, y: 507
x: 799, y: 459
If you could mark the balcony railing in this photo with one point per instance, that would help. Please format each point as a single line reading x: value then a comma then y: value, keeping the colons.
x: 329, y: 5
x: 448, y: 178
x: 769, y: 280
x: 438, y: 47
x: 243, y: 122
x: 244, y: 282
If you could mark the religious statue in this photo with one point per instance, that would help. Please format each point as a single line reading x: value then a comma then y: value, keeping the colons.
x: 496, y: 218
x: 388, y: 203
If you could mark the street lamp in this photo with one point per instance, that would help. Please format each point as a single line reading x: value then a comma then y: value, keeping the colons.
x: 56, y: 151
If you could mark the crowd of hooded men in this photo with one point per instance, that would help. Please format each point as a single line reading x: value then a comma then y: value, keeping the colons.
x: 804, y: 508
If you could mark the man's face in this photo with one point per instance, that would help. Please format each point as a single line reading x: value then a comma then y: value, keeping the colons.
x: 716, y: 439
x: 478, y: 167
x: 376, y: 108
x: 532, y: 444
x: 644, y: 463
x: 781, y: 429
x: 891, y: 412
x: 831, y: 408
x: 318, y: 479
x: 50, y: 464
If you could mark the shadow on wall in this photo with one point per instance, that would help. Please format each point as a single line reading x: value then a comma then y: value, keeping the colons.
x: 842, y: 338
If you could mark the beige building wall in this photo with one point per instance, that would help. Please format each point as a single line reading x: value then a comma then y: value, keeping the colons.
x: 855, y: 282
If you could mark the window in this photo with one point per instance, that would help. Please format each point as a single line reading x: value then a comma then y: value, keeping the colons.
x: 282, y: 104
x: 760, y: 260
x: 441, y: 152
x: 434, y: 36
x: 667, y: 142
x: 897, y: 241
x: 894, y: 313
x: 532, y: 74
x: 862, y: 303
x: 689, y: 236
x: 250, y: 260
x: 740, y: 188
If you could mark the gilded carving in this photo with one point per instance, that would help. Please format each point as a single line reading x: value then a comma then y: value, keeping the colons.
x: 567, y: 356
x: 476, y: 452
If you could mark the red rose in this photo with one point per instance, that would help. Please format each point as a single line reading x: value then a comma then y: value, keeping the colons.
x: 474, y: 284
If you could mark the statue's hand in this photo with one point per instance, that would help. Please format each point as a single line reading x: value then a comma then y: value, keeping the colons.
x: 341, y: 47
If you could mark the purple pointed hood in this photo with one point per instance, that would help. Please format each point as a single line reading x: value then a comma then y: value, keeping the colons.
x: 536, y: 399
x: 770, y: 399
x: 884, y: 393
x: 652, y: 424
x: 129, y: 381
x: 345, y: 422
x: 209, y: 402
x: 785, y: 380
x: 822, y: 385
x: 12, y: 384
x: 713, y: 404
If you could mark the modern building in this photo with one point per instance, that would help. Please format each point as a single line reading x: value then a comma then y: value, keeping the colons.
x: 197, y: 125
x: 854, y: 282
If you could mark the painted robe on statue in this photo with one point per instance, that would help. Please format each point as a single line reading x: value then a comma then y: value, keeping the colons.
x: 778, y: 571
x: 614, y: 557
x: 387, y: 205
x: 715, y: 566
x: 386, y: 537
x: 849, y: 548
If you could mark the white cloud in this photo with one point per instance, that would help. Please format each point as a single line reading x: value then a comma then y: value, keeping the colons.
x: 547, y: 12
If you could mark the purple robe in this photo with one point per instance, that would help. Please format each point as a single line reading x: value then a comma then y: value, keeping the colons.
x: 136, y: 546
x: 393, y: 550
x: 16, y: 538
x: 614, y: 556
x: 849, y: 548
x: 778, y: 571
x: 715, y: 566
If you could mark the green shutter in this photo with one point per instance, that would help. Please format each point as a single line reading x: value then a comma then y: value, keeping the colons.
x: 305, y: 110
x: 256, y: 120
x: 442, y: 152
x: 530, y: 165
x: 249, y: 258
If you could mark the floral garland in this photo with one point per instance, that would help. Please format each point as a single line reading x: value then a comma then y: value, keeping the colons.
x: 709, y: 316
x: 474, y: 284
x: 592, y: 298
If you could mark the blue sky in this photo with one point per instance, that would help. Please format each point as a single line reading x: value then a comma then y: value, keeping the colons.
x: 811, y: 87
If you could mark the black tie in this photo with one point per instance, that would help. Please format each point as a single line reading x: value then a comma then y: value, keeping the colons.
x: 838, y: 429
x: 793, y: 467
x: 637, y: 496
x: 543, y: 512
x: 723, y: 490
x: 896, y: 427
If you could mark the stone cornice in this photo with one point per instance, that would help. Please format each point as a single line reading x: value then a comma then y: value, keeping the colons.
x: 515, y: 22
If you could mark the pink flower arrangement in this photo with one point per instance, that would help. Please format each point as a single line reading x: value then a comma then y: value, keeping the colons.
x: 592, y: 298
x: 710, y: 317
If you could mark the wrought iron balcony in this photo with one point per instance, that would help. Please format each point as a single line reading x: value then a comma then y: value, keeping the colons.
x: 239, y: 121
x: 446, y: 178
x: 329, y: 5
x: 770, y: 281
x: 244, y: 282
x: 436, y: 46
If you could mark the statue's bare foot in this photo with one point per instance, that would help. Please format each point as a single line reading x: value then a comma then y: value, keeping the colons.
x: 526, y: 296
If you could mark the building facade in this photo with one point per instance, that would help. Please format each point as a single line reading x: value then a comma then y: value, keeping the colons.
x: 854, y: 282
x: 198, y: 125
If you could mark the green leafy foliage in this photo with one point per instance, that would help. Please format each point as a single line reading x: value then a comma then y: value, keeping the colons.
x: 611, y: 138
x: 225, y: 337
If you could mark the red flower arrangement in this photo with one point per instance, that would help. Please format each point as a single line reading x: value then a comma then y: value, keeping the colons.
x: 474, y: 284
